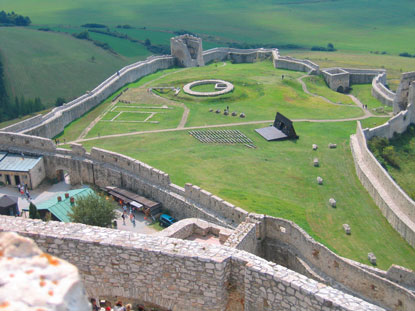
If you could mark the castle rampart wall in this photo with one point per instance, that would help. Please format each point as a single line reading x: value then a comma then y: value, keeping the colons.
x: 343, y: 271
x: 291, y: 63
x: 178, y: 274
x: 105, y: 168
x: 394, y: 203
x: 381, y: 92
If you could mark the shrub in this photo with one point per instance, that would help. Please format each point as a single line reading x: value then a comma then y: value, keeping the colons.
x: 93, y: 210
x: 390, y: 156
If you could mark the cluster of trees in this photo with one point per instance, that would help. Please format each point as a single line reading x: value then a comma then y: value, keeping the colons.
x: 406, y: 54
x: 383, y: 151
x: 13, y: 19
x: 93, y: 25
x: 329, y: 48
x: 20, y: 107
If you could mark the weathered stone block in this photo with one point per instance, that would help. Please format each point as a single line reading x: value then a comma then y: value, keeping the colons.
x: 315, y: 147
x: 332, y: 146
x: 316, y: 163
x: 319, y: 180
x: 332, y: 202
x: 347, y: 229
x: 372, y: 258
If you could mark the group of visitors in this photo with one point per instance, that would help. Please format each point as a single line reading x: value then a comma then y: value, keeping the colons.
x: 24, y: 191
x: 128, y: 213
x: 106, y: 305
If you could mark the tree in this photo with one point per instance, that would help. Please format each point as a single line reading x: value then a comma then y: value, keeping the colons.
x: 147, y: 42
x: 59, y: 101
x: 93, y: 210
x: 33, y: 212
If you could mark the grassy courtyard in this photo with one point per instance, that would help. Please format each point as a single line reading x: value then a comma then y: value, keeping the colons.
x: 276, y: 178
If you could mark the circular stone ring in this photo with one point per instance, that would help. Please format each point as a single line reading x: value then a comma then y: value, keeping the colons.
x: 221, y: 87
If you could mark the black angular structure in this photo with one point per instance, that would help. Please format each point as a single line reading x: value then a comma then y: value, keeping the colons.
x: 281, y: 129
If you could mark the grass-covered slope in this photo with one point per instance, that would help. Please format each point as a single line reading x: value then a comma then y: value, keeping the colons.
x: 368, y: 25
x: 50, y: 65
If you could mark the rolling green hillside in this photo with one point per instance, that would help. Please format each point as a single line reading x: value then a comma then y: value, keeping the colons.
x: 51, y: 65
x: 365, y: 25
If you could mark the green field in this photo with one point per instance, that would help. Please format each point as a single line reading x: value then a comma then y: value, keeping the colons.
x: 350, y: 25
x: 276, y: 178
x: 50, y: 65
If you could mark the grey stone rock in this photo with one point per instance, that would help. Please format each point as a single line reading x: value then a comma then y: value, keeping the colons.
x: 315, y: 147
x: 316, y: 162
x: 347, y: 229
x: 332, y: 146
x: 332, y: 202
x: 319, y: 180
x: 372, y: 258
x: 242, y: 115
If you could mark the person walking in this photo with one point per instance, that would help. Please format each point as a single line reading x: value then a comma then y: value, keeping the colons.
x: 133, y: 220
x: 123, y: 218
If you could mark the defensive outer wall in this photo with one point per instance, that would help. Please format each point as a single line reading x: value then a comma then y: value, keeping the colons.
x: 395, y: 204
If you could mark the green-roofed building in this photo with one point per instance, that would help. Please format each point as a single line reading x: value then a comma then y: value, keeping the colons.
x: 61, y: 209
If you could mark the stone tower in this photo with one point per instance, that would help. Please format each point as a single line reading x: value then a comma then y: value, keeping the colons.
x: 187, y: 50
x: 403, y: 95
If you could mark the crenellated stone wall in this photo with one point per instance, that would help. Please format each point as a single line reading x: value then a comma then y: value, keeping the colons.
x: 178, y: 274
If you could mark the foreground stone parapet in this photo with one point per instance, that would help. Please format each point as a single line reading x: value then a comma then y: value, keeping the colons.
x: 33, y: 280
x: 179, y: 274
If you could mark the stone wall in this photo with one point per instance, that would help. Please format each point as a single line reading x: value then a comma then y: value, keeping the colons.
x: 341, y: 271
x: 236, y: 55
x: 394, y: 203
x: 55, y: 121
x: 104, y: 168
x: 402, y: 93
x: 187, y: 50
x: 290, y: 63
x: 381, y: 92
x: 178, y: 274
x: 285, y: 243
x: 337, y: 79
x: 183, y: 229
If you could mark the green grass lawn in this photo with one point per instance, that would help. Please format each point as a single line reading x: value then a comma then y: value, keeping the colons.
x: 364, y: 93
x: 279, y: 179
x: 204, y: 88
x: 259, y: 93
x: 50, y: 65
x: 317, y: 85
